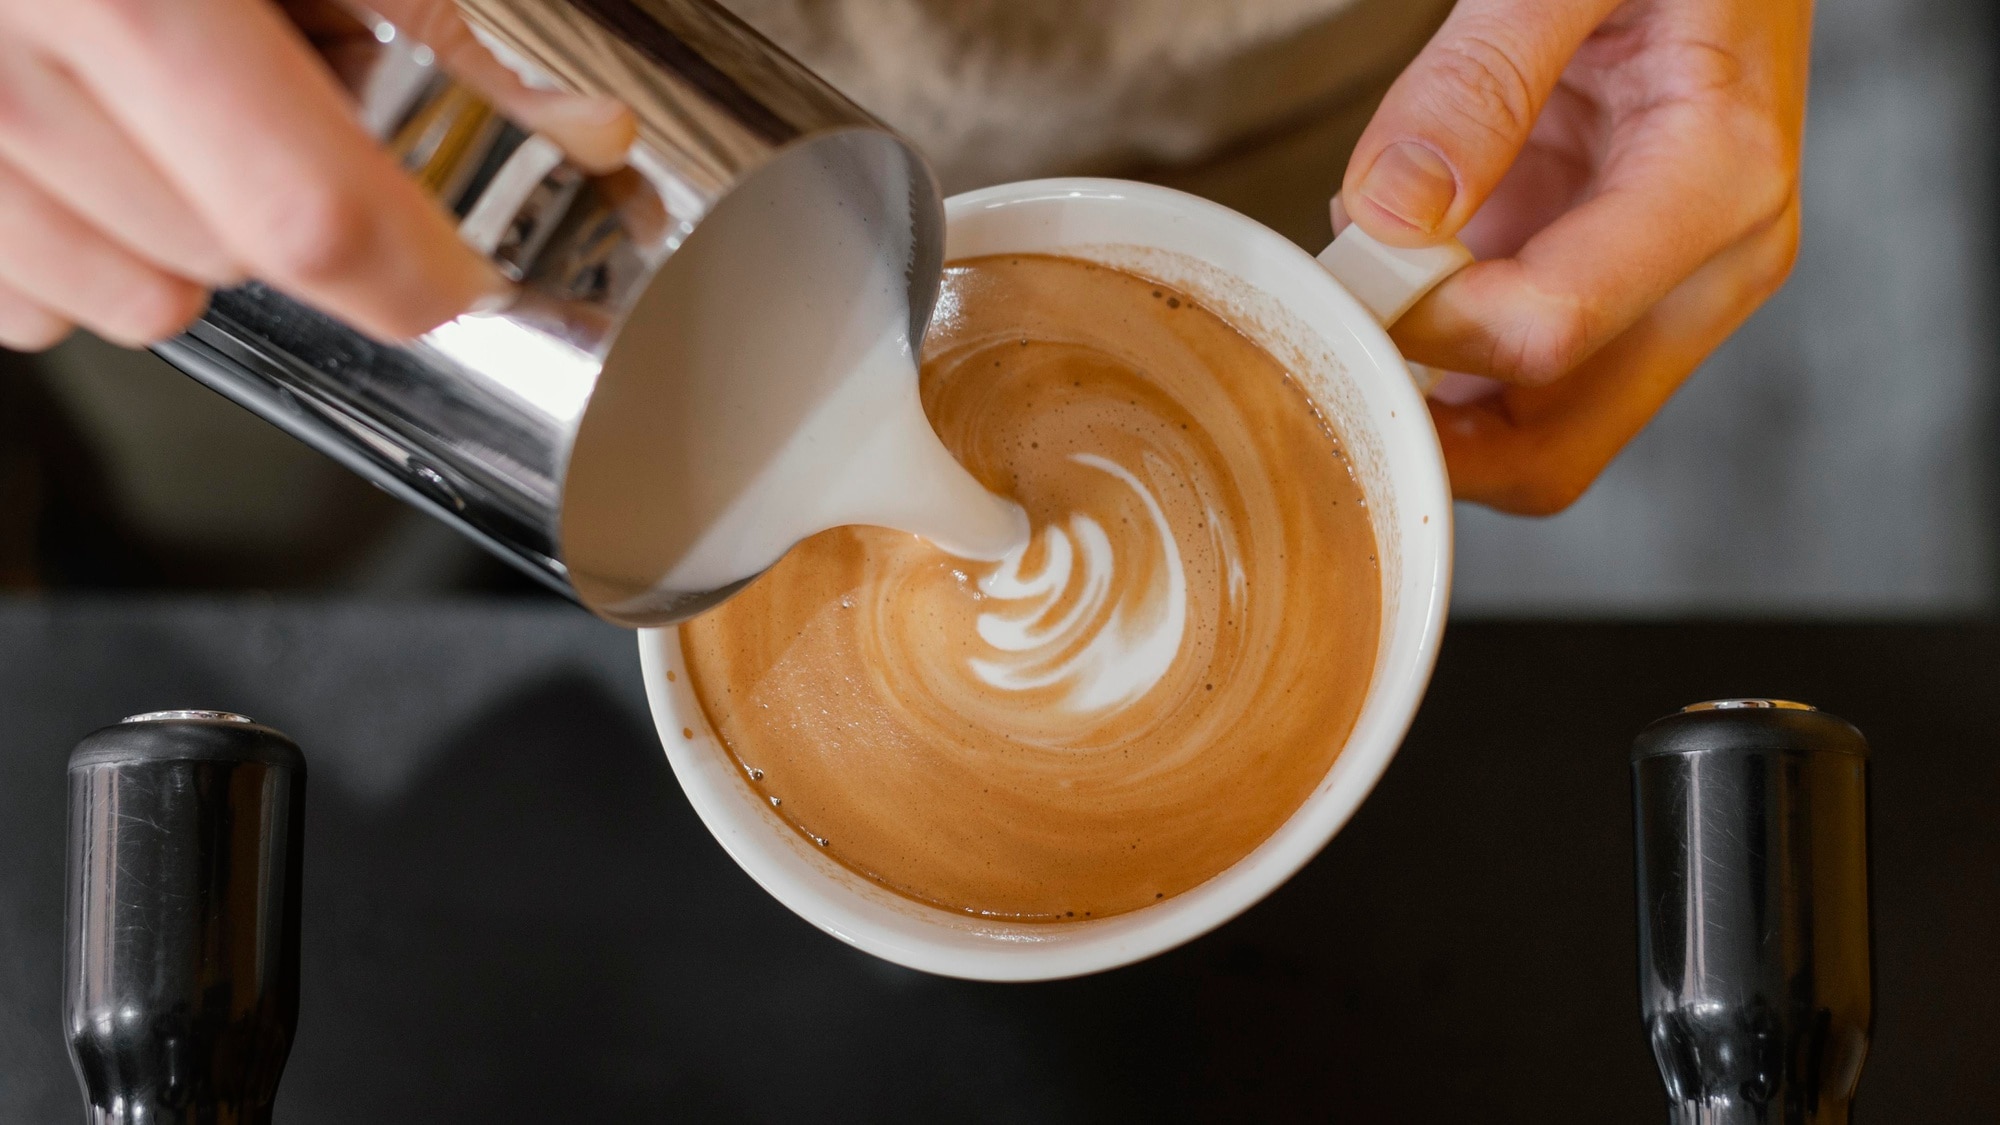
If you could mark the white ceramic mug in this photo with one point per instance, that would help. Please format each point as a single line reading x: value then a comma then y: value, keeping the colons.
x: 1330, y: 336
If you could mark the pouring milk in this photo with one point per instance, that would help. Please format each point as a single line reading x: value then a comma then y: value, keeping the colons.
x: 771, y: 376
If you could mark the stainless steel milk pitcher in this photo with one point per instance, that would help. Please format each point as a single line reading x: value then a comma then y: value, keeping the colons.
x: 515, y: 427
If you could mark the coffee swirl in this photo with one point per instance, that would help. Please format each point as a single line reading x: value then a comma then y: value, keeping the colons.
x: 1077, y: 633
x: 1127, y: 705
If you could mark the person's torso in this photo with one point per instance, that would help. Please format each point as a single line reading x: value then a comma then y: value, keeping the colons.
x: 997, y: 90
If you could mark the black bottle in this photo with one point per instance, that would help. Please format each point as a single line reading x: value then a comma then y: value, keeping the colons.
x: 1754, y: 966
x: 181, y: 971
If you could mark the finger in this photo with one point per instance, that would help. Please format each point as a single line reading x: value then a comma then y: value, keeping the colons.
x: 596, y: 132
x: 1681, y: 189
x: 231, y: 104
x: 1533, y: 451
x: 51, y: 256
x: 1453, y: 121
x: 54, y: 132
x: 26, y: 326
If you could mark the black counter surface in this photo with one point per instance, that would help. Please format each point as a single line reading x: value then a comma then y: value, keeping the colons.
x: 513, y: 916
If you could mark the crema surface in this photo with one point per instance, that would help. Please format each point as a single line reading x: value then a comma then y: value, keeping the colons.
x: 1126, y: 706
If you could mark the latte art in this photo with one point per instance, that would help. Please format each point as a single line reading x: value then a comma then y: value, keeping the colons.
x: 1117, y: 711
x: 1104, y: 651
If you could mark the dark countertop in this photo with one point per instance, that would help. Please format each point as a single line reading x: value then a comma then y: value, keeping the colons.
x: 513, y: 916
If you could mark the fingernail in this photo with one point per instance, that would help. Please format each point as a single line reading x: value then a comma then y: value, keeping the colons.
x: 1337, y: 211
x: 1412, y: 183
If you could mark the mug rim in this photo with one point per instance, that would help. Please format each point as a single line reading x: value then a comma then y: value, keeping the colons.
x: 1397, y: 688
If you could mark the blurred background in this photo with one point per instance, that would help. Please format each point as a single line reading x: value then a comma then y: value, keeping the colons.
x: 1838, y: 457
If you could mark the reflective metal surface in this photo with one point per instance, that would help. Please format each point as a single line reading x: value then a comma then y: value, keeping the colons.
x: 481, y: 421
x: 161, y: 716
x: 1754, y: 962
x: 181, y: 972
x: 1751, y: 704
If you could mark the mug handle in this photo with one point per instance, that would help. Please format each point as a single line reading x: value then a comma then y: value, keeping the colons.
x: 1387, y: 280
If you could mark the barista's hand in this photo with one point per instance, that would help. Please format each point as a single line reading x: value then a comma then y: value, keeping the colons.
x: 152, y: 151
x: 1629, y: 170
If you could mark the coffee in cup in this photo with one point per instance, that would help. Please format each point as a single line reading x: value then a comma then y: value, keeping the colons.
x: 1122, y: 709
x: 1322, y: 321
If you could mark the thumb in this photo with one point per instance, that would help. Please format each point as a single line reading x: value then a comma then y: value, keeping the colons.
x: 1454, y: 121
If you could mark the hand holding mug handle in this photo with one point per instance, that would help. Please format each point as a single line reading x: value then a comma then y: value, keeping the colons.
x: 1387, y: 280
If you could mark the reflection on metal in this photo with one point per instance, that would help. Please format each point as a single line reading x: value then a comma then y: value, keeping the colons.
x: 1748, y: 704
x: 1755, y: 982
x: 176, y: 716
x: 478, y: 421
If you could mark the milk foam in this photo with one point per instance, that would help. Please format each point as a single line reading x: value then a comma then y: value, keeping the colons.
x: 1103, y: 657
x: 765, y: 389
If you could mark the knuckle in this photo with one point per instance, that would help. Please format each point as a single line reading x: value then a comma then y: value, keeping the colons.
x: 1787, y: 238
x: 1769, y: 183
x: 1546, y: 494
x: 1775, y: 188
x: 1485, y: 87
x: 1703, y: 65
x: 1781, y: 256
x: 1773, y: 195
x: 320, y: 236
x: 1543, y: 348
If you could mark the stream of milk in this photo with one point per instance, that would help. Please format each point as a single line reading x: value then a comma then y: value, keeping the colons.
x: 866, y: 454
x: 769, y: 379
x: 765, y: 389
